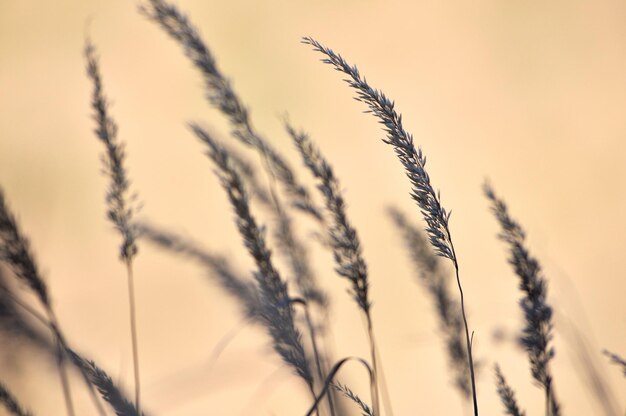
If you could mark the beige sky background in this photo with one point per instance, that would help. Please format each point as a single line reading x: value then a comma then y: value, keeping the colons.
x: 531, y: 95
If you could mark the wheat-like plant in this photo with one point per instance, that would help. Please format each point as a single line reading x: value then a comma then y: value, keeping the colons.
x: 342, y: 235
x: 345, y: 390
x: 120, y: 202
x: 343, y: 238
x: 266, y: 300
x: 507, y: 395
x: 537, y: 333
x: 221, y: 95
x: 435, y: 278
x: 276, y: 307
x: 108, y: 390
x: 414, y: 163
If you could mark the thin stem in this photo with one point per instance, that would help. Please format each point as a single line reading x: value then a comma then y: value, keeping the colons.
x: 312, y: 390
x: 467, y: 335
x: 372, y: 342
x: 328, y: 340
x: 548, y: 400
x: 67, y: 393
x: 316, y: 353
x: 133, y: 331
x: 384, y: 390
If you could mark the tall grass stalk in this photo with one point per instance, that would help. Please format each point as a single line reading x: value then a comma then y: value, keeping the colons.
x: 121, y: 205
x: 133, y: 330
x: 537, y: 334
x: 221, y: 95
x: 319, y: 366
x: 108, y: 390
x: 433, y: 276
x: 344, y: 239
x: 296, y: 253
x: 414, y: 163
x: 276, y: 307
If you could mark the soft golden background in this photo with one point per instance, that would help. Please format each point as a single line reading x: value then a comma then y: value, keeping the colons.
x: 529, y: 94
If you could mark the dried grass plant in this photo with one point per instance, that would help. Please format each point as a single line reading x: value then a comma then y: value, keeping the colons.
x: 121, y: 203
x: 292, y: 306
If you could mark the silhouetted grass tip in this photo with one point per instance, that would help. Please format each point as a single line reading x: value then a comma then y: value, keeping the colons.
x: 120, y: 202
x: 537, y: 333
x: 412, y: 159
x: 221, y: 95
x: 343, y: 237
x: 288, y: 243
x: 507, y: 395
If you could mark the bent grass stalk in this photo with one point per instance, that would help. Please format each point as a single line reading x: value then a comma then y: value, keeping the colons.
x: 328, y: 383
